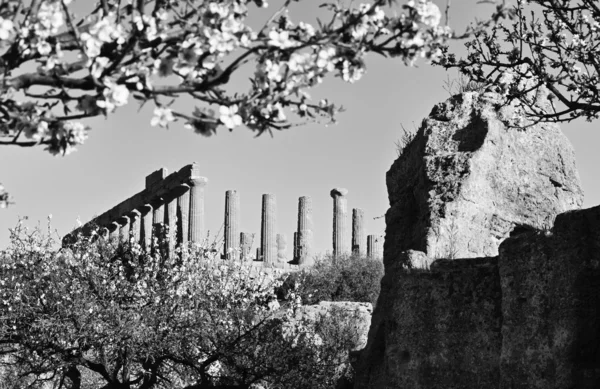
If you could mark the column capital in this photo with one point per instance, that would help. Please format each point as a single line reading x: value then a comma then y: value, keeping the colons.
x: 338, y: 192
x: 197, y: 181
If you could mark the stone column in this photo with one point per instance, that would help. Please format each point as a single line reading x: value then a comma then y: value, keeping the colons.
x: 171, y: 223
x: 341, y: 241
x: 146, y: 231
x: 115, y: 230
x: 281, y: 250
x: 304, y: 234
x: 158, y: 214
x: 231, y: 247
x: 135, y: 226
x: 246, y: 243
x: 124, y: 229
x: 375, y: 246
x: 268, y: 245
x: 196, y: 213
x: 183, y: 211
x: 358, y: 232
x: 295, y: 252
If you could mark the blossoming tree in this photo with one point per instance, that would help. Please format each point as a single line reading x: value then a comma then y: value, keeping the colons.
x: 60, y: 68
x: 548, y: 51
x: 99, y: 315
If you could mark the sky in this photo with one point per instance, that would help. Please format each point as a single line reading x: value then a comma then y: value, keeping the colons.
x: 308, y: 160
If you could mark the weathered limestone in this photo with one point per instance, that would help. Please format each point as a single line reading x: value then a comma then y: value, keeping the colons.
x: 341, y: 241
x: 146, y: 232
x: 231, y: 245
x: 303, y: 239
x: 196, y: 214
x: 438, y: 328
x: 135, y: 226
x: 171, y: 222
x: 551, y: 305
x: 467, y: 179
x: 115, y: 230
x: 124, y: 229
x: 246, y: 243
x: 281, y: 249
x: 375, y: 246
x: 268, y: 244
x: 358, y: 232
x: 183, y: 212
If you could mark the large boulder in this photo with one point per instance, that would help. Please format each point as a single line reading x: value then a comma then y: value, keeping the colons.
x: 469, y: 177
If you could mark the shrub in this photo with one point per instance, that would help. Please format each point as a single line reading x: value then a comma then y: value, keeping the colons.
x: 352, y: 278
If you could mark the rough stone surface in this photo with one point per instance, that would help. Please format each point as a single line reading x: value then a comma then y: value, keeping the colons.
x: 438, y: 328
x: 467, y: 180
x: 551, y: 305
x: 246, y: 243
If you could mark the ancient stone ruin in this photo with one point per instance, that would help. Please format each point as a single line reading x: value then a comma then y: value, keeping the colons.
x: 175, y: 202
x: 492, y: 274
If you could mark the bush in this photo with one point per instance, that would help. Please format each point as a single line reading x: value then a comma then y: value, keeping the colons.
x: 353, y: 278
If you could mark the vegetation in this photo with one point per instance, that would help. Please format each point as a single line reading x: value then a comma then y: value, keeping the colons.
x: 353, y: 278
x: 106, y: 315
x: 548, y: 51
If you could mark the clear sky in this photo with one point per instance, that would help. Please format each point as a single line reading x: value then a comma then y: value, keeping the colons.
x: 308, y: 160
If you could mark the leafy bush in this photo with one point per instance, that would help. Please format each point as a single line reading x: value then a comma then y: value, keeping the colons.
x: 352, y: 278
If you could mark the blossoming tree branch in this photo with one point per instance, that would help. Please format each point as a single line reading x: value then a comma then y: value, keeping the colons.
x: 549, y: 50
x: 59, y: 68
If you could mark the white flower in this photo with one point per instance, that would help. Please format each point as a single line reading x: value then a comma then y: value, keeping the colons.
x: 6, y: 27
x: 99, y: 66
x: 324, y: 59
x: 229, y: 116
x: 114, y: 96
x: 308, y: 29
x: 280, y: 39
x: 44, y: 48
x: 162, y: 117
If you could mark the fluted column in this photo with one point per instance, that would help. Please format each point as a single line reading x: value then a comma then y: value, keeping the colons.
x: 341, y: 237
x: 171, y: 222
x: 146, y: 230
x: 375, y: 246
x: 183, y: 212
x: 268, y: 245
x: 196, y: 213
x: 246, y: 243
x: 115, y: 230
x: 124, y: 229
x: 358, y: 232
x: 231, y: 247
x: 135, y: 226
x: 304, y: 234
x: 281, y: 249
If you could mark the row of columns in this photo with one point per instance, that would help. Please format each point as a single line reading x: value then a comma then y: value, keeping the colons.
x: 273, y: 247
x: 181, y: 211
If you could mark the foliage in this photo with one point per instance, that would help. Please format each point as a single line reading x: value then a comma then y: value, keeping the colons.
x: 549, y: 51
x: 158, y: 51
x: 352, y: 278
x: 106, y: 315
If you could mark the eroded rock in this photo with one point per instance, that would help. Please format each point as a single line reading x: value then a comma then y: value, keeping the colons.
x: 467, y: 179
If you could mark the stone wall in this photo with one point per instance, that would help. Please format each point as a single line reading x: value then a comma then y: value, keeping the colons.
x: 527, y: 319
x: 436, y: 328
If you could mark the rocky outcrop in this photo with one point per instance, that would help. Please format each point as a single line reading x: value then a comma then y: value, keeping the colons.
x: 468, y: 179
x: 527, y: 319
